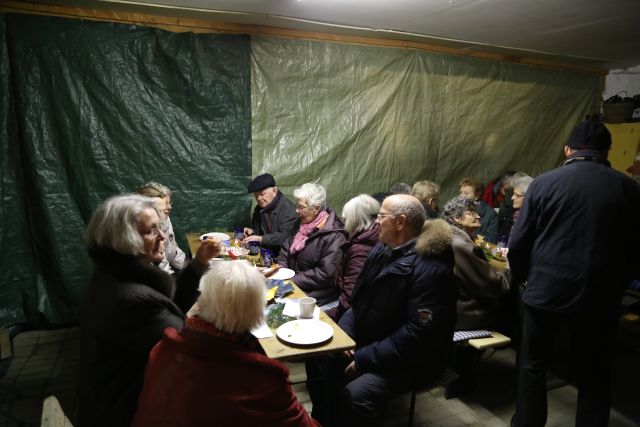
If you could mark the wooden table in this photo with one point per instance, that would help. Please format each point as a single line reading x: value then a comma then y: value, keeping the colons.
x: 276, y: 349
x: 193, y: 239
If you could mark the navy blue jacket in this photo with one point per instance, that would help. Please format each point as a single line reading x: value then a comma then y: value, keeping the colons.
x: 576, y: 242
x: 404, y: 309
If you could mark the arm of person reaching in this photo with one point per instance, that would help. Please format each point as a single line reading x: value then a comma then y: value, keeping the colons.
x: 430, y: 314
x: 188, y: 279
x: 478, y: 277
x: 323, y: 274
x: 286, y: 223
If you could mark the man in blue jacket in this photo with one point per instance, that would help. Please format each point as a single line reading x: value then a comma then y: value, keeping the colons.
x: 576, y: 248
x: 403, y: 311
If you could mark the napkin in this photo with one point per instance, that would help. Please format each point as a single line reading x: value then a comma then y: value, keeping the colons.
x: 262, y: 331
x: 292, y: 308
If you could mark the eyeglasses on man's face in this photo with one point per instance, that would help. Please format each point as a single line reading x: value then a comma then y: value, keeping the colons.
x: 517, y: 196
x: 383, y: 215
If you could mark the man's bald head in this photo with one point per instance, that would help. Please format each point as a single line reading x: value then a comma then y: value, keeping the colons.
x: 409, y: 207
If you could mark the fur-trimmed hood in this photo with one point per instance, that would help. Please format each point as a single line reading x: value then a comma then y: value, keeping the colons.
x: 435, y: 238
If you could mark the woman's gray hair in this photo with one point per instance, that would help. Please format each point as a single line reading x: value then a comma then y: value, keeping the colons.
x: 114, y: 224
x: 521, y: 182
x: 455, y: 208
x: 425, y: 190
x: 154, y: 189
x: 314, y: 194
x: 359, y: 213
x: 232, y: 296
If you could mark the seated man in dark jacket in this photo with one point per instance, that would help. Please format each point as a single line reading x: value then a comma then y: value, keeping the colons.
x: 273, y: 217
x: 403, y: 311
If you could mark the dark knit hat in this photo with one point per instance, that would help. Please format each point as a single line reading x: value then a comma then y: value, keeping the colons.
x: 261, y: 182
x: 590, y: 135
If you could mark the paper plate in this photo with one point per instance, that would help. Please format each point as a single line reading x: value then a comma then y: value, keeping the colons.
x: 217, y: 236
x: 283, y: 274
x: 305, y: 332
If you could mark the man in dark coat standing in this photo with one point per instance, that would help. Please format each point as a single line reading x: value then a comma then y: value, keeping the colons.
x: 274, y: 217
x: 569, y: 246
x: 403, y: 311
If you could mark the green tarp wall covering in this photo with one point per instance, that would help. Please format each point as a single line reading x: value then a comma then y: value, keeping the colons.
x: 91, y: 109
x: 360, y: 118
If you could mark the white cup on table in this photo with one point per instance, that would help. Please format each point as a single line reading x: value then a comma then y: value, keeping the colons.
x: 307, y: 307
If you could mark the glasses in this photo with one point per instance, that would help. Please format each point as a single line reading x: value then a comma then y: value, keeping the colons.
x: 381, y: 215
x: 302, y: 207
x: 517, y: 196
x: 471, y: 213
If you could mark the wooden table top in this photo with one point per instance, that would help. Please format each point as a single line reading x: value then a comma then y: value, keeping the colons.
x: 276, y: 349
x: 280, y: 350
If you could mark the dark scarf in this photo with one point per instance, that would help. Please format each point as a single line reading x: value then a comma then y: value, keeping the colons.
x: 266, y: 218
x: 129, y: 268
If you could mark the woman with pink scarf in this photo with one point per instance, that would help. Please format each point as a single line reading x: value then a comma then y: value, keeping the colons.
x: 315, y: 247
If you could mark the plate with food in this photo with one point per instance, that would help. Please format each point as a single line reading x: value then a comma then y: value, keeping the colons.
x: 305, y: 332
x: 234, y: 251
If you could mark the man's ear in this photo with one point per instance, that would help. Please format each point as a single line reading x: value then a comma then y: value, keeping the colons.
x: 402, y: 222
x: 567, y: 151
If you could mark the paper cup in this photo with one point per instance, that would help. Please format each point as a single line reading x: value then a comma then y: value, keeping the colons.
x: 307, y: 306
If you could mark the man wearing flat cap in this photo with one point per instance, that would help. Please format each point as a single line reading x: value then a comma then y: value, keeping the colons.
x: 274, y: 216
x: 575, y: 246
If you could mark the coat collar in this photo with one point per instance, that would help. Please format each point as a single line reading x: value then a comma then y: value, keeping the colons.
x: 128, y: 268
x: 435, y: 238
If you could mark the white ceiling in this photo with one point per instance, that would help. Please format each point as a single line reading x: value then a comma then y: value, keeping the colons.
x: 603, y: 33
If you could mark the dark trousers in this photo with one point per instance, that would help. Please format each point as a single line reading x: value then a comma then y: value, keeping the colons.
x: 357, y: 402
x: 592, y: 338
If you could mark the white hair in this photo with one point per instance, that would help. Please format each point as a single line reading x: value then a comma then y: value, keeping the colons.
x: 359, y: 213
x: 314, y: 194
x: 114, y: 224
x: 232, y: 296
x: 409, y: 206
x: 521, y: 182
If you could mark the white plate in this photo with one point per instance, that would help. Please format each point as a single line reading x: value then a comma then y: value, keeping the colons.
x: 217, y: 236
x: 283, y: 274
x: 305, y: 332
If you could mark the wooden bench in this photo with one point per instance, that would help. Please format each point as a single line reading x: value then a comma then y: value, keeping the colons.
x: 496, y: 340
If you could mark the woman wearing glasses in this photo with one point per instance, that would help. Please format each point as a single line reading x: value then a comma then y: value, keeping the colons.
x: 481, y: 287
x: 520, y: 184
x: 130, y: 301
x: 314, y: 249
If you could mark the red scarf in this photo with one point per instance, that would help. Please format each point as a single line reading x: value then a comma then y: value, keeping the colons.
x: 305, y: 231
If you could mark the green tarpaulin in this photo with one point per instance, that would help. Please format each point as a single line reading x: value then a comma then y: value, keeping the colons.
x: 94, y: 109
x: 360, y: 118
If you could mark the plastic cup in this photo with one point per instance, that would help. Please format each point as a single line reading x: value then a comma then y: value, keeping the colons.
x: 307, y: 307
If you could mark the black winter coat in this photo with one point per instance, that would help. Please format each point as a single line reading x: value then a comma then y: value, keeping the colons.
x: 576, y: 241
x: 317, y: 263
x: 403, y: 307
x: 283, y: 219
x: 128, y: 306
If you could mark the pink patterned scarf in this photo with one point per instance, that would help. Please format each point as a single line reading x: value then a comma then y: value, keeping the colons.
x: 305, y: 231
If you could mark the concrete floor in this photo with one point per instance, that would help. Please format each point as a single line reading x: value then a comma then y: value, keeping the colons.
x: 45, y: 363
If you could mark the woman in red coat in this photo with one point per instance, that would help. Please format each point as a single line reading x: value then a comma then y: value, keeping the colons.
x: 359, y: 216
x: 213, y: 371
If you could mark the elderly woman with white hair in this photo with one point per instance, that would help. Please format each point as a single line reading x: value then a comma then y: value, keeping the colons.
x: 520, y: 185
x: 315, y: 247
x: 359, y: 216
x: 481, y: 286
x: 213, y: 371
x: 129, y: 303
x: 174, y: 258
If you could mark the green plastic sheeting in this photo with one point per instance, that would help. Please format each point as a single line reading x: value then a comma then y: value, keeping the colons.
x: 93, y: 109
x: 360, y: 118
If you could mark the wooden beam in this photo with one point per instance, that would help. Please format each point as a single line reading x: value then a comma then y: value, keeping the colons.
x: 179, y: 24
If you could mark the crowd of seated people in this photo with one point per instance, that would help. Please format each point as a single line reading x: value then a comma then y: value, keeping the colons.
x: 388, y: 275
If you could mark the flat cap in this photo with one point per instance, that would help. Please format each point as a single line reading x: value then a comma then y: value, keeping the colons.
x: 261, y: 182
